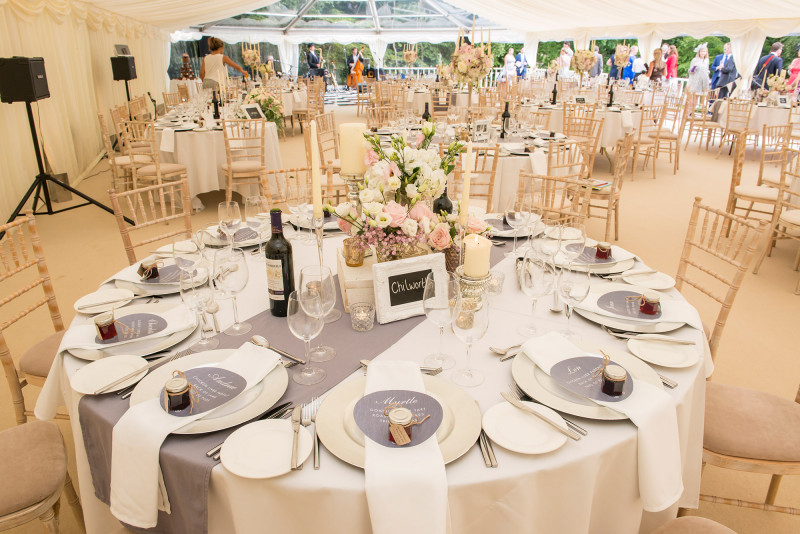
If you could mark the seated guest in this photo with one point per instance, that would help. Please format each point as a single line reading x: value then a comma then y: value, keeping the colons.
x: 213, y: 67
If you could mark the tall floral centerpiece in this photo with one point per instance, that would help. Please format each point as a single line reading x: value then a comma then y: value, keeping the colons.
x: 621, y: 55
x: 251, y: 58
x: 400, y: 184
x: 271, y: 105
x: 777, y: 85
x: 583, y: 61
x: 470, y: 65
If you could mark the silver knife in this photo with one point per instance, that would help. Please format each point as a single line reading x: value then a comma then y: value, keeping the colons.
x: 489, y: 449
x: 297, y: 416
x: 517, y: 404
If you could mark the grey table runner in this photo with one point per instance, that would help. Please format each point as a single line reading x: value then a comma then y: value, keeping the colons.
x: 185, y: 467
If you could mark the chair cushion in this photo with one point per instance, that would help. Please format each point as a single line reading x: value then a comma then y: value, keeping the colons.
x: 665, y: 134
x: 33, y: 465
x: 751, y: 424
x: 137, y: 158
x: 243, y: 166
x: 692, y: 525
x: 757, y: 191
x: 772, y: 180
x: 37, y: 360
x: 166, y: 168
x: 790, y: 217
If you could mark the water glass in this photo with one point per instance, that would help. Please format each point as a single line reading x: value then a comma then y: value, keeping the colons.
x: 573, y: 241
x: 304, y: 317
x: 256, y: 213
x: 318, y: 279
x: 517, y: 214
x: 230, y: 276
x: 537, y: 279
x: 438, y: 300
x: 573, y: 287
x: 470, y: 322
x: 198, y: 300
x: 230, y: 219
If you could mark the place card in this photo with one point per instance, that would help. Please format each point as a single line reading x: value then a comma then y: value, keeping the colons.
x: 626, y: 304
x: 169, y: 274
x: 369, y: 416
x: 583, y: 375
x: 134, y: 326
x: 214, y: 386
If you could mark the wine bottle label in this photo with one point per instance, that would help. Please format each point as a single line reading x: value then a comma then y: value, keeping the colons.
x: 275, y: 280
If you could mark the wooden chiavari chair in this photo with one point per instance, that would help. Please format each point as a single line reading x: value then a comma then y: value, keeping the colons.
x: 573, y: 111
x: 763, y: 195
x: 171, y: 100
x: 315, y: 103
x: 138, y: 108
x: 699, y: 120
x: 586, y: 131
x: 608, y: 198
x: 143, y: 134
x: 647, y: 137
x: 245, y: 152
x: 364, y: 95
x: 379, y: 116
x: 737, y: 121
x: 440, y: 102
x: 328, y: 141
x: 121, y: 165
x: 558, y: 198
x: 773, y: 139
x: 484, y: 171
x: 673, y: 112
x: 22, y: 258
x: 150, y: 206
x: 183, y: 92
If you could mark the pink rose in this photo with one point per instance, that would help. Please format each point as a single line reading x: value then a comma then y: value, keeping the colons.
x: 419, y: 211
x: 476, y: 226
x: 397, y: 212
x: 370, y: 157
x: 344, y: 226
x: 439, y: 238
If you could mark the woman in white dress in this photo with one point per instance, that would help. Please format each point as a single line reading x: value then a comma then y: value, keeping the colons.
x: 698, y: 71
x: 213, y: 69
x: 510, y: 67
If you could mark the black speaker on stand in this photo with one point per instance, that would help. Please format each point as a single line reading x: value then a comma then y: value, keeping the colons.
x: 124, y: 68
x: 23, y: 79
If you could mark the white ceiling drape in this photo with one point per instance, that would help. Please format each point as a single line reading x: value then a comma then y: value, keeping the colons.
x: 290, y: 56
x: 746, y: 50
x: 648, y: 42
x: 378, y: 49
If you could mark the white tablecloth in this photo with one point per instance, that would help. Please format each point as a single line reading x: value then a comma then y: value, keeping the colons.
x: 418, y: 100
x: 194, y: 86
x: 584, y: 487
x: 203, y: 154
x: 293, y: 99
x: 762, y: 115
x: 612, y: 125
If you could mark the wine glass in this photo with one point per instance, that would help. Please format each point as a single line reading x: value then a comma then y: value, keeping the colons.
x: 256, y: 213
x: 470, y: 322
x: 548, y: 243
x: 573, y: 241
x: 438, y: 301
x: 318, y: 279
x: 304, y: 316
x: 536, y: 278
x: 230, y: 219
x: 187, y: 253
x: 230, y: 276
x: 198, y: 299
x: 517, y: 213
x: 573, y: 287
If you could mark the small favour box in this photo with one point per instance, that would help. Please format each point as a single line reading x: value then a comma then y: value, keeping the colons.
x: 602, y: 250
x: 148, y: 269
x: 650, y: 303
x: 614, y: 378
x: 105, y: 326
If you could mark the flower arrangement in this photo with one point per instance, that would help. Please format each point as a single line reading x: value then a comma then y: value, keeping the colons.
x: 471, y: 64
x: 552, y: 68
x: 267, y: 70
x: 251, y: 57
x: 583, y: 61
x: 621, y: 55
x: 270, y: 105
x: 777, y: 82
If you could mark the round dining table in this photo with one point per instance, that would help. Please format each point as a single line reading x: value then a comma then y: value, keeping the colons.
x: 193, y: 86
x: 761, y: 116
x: 417, y: 98
x: 586, y: 486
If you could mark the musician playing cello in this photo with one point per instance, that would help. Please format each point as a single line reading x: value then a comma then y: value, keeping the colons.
x: 356, y: 65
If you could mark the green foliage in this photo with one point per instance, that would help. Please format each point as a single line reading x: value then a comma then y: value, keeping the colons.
x: 790, y: 44
x: 428, y: 54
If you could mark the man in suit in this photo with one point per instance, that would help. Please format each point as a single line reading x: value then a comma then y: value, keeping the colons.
x: 313, y: 61
x: 597, y: 69
x: 715, y: 70
x: 727, y: 72
x: 767, y: 66
x: 521, y: 62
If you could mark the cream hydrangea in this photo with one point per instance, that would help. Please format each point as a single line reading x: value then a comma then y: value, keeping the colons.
x: 409, y: 227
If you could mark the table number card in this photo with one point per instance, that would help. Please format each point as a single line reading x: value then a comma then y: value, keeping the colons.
x: 399, y: 285
x: 135, y: 326
x: 625, y: 303
x: 368, y: 414
x: 214, y: 385
x: 583, y: 376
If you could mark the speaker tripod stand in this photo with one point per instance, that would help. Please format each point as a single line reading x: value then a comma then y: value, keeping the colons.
x: 39, y: 188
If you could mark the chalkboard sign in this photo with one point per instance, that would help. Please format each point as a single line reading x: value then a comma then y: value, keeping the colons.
x: 253, y: 111
x: 580, y: 100
x: 400, y: 284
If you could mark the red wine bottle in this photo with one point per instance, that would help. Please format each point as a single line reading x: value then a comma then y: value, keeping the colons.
x: 280, y: 267
x: 426, y: 115
x: 504, y: 127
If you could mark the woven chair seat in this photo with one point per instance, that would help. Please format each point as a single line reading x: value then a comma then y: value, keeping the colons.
x: 243, y: 166
x: 790, y: 217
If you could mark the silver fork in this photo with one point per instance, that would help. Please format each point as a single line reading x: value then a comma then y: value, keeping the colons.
x: 521, y: 395
x: 668, y: 382
x: 315, y: 402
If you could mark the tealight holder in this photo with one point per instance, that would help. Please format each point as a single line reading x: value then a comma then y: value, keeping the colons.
x: 472, y: 288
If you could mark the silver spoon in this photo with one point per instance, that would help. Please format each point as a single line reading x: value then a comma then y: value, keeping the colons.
x: 503, y: 352
x: 212, y: 309
x: 261, y: 341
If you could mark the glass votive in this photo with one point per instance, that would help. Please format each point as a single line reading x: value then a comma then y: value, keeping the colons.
x: 353, y: 253
x: 495, y: 284
x: 362, y: 316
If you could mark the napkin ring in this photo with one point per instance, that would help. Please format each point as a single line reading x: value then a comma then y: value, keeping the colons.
x: 179, y: 394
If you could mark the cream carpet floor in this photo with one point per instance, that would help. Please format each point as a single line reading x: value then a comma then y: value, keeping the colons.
x: 759, y: 348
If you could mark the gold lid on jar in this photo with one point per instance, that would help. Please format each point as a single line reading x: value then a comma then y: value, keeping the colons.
x: 614, y: 373
x: 400, y: 416
x: 104, y: 319
x: 176, y: 385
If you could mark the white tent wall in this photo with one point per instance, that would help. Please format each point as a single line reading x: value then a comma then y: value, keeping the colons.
x: 76, y: 42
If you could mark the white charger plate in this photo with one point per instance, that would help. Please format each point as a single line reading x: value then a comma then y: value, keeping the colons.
x: 513, y: 429
x: 263, y: 449
x: 658, y: 281
x: 335, y: 437
x: 97, y: 374
x: 211, y: 238
x: 246, y: 406
x: 142, y: 289
x: 664, y: 354
x: 540, y: 386
x: 120, y: 297
x: 144, y: 347
x: 330, y: 225
x: 642, y: 327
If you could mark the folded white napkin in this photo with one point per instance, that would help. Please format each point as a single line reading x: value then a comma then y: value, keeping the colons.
x: 167, y: 140
x: 538, y: 162
x: 672, y: 310
x: 627, y: 120
x: 649, y: 408
x: 131, y: 274
x: 409, y: 479
x: 138, y: 435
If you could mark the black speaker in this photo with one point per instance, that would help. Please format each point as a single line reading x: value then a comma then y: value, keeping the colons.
x: 123, y: 67
x: 22, y: 79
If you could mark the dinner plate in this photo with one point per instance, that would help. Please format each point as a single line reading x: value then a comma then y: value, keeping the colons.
x: 144, y: 347
x: 246, y: 406
x: 97, y: 374
x: 664, y: 354
x: 605, y: 268
x: 155, y: 289
x: 540, y: 386
x: 517, y: 431
x: 263, y: 449
x: 329, y: 225
x: 619, y: 323
x: 496, y: 232
x: 212, y: 238
x: 658, y: 281
x: 333, y: 434
x: 119, y: 298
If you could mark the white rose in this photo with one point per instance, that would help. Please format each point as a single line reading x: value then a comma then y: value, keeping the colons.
x: 411, y: 191
x: 452, y: 217
x: 382, y: 220
x: 409, y: 227
x: 343, y: 209
x: 372, y: 208
x: 425, y: 171
x: 393, y: 183
x: 425, y: 223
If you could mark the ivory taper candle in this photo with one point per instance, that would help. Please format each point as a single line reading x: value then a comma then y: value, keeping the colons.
x: 351, y: 148
x: 477, y: 251
x: 316, y: 184
x: 464, y: 213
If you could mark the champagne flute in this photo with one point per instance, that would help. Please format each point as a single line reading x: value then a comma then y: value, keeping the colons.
x: 318, y: 279
x: 470, y: 322
x: 256, y: 213
x: 198, y: 299
x: 305, y: 319
x: 517, y: 213
x: 573, y: 287
x: 573, y: 241
x: 438, y: 301
x: 537, y: 279
x: 230, y: 219
x: 231, y: 276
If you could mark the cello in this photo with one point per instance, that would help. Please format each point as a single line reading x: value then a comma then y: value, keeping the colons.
x: 354, y: 78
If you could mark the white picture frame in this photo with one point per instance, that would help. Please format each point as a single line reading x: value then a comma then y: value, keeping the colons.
x: 391, y: 298
x: 783, y: 100
x: 481, y: 130
x: 253, y: 111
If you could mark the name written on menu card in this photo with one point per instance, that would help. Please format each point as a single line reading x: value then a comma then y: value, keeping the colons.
x: 214, y: 387
x: 134, y: 326
x: 405, y: 288
x: 370, y: 418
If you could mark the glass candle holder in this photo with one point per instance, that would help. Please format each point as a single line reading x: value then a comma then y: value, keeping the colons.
x: 495, y: 284
x: 362, y: 316
x: 353, y: 253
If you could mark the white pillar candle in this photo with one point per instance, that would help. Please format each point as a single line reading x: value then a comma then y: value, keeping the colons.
x: 351, y: 148
x: 316, y: 185
x: 477, y: 250
x: 464, y: 213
